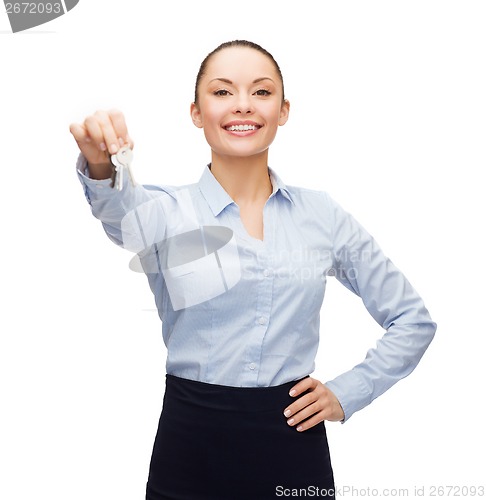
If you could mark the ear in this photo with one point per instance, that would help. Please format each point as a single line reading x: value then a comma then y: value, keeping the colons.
x: 196, y: 115
x: 284, y: 112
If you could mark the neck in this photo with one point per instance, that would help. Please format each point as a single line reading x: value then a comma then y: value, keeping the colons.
x: 245, y: 179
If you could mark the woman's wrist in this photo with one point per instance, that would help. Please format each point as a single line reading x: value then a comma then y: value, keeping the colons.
x: 100, y: 171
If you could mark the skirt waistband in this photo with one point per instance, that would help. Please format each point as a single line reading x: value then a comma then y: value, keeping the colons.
x: 227, y: 398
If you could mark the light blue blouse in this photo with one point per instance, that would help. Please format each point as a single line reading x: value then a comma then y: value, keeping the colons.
x: 243, y: 312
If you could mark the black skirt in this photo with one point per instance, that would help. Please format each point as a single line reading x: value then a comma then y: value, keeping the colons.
x: 217, y: 442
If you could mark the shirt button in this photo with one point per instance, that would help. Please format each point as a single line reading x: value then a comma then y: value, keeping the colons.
x: 266, y: 273
x: 262, y: 320
x: 252, y: 366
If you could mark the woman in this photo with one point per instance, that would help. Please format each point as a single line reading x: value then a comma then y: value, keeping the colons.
x: 238, y: 264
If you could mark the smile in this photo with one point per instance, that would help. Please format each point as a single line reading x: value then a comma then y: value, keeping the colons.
x: 242, y: 128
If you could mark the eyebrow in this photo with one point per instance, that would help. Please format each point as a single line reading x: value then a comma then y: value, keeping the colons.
x: 258, y: 80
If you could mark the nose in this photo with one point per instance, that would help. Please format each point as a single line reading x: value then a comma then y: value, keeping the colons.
x: 243, y: 104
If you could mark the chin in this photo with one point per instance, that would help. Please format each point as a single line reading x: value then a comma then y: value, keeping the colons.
x: 240, y: 150
x: 240, y: 153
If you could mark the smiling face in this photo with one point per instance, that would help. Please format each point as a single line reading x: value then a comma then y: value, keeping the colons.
x: 240, y: 103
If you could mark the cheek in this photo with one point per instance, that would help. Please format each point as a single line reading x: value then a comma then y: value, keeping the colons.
x: 211, y: 119
x: 272, y: 113
x: 213, y: 114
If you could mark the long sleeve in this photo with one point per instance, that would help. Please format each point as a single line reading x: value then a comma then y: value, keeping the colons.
x: 120, y: 212
x: 361, y: 266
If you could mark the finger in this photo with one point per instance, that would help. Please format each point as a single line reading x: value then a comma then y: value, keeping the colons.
x: 95, y: 133
x: 311, y: 422
x: 302, y: 386
x: 120, y: 127
x: 110, y: 137
x: 79, y: 133
x: 304, y: 413
x: 301, y: 403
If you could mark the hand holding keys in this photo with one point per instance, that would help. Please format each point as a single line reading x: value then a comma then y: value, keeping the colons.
x: 104, y: 141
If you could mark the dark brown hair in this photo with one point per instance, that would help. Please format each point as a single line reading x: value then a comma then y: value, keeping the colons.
x: 235, y: 43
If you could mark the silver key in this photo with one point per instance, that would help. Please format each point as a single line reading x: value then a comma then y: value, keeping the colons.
x: 117, y: 175
x: 122, y: 160
x: 125, y: 157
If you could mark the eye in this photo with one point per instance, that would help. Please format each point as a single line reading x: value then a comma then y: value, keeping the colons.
x: 221, y: 92
x: 263, y: 92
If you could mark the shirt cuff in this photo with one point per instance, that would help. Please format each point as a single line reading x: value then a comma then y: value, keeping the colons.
x: 351, y: 392
x: 92, y: 187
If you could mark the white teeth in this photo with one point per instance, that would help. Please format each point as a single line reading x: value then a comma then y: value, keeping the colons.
x: 241, y: 128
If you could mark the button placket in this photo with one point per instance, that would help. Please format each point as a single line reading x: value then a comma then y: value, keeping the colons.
x: 264, y: 288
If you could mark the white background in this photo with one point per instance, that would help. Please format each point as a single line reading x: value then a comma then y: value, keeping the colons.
x: 388, y: 114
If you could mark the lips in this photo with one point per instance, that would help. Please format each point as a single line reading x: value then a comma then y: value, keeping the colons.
x: 242, y: 127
